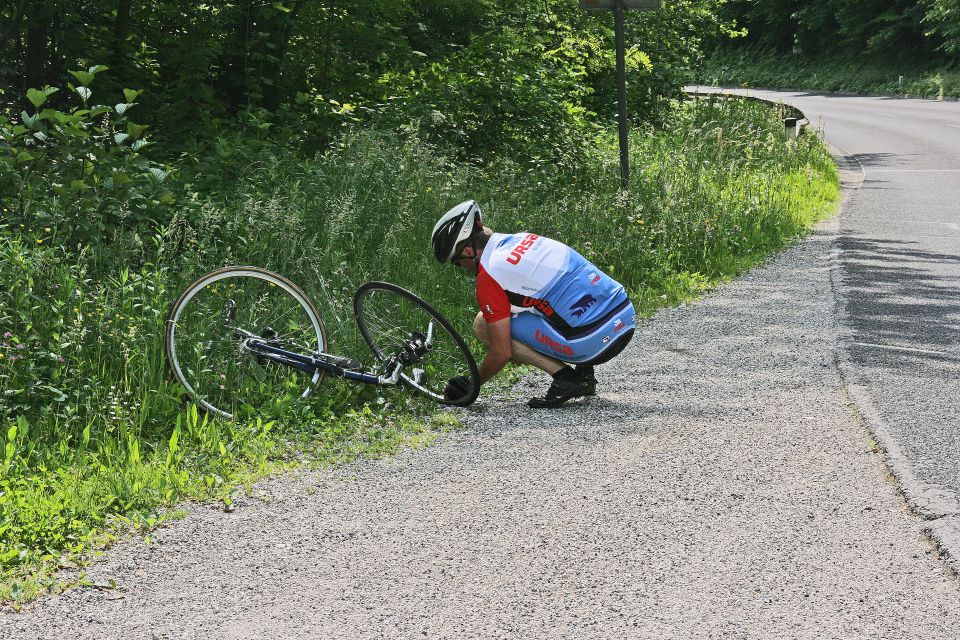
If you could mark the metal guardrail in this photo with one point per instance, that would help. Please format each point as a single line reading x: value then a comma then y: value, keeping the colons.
x: 794, y: 120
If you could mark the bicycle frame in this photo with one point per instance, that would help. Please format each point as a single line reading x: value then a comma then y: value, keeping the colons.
x: 312, y: 364
x: 392, y: 365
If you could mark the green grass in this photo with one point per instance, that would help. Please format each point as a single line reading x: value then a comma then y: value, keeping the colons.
x: 861, y: 75
x: 94, y: 437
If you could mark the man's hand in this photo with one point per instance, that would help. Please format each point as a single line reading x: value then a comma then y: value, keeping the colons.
x: 457, y: 387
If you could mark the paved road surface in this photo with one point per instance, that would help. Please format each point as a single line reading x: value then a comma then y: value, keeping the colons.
x: 899, y: 282
x: 722, y: 485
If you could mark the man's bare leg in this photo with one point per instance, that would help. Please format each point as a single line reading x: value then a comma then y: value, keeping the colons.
x: 522, y: 354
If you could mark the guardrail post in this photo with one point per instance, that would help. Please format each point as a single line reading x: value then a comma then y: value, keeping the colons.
x: 790, y: 129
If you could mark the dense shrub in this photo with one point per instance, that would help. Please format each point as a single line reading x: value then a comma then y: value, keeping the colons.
x: 84, y: 171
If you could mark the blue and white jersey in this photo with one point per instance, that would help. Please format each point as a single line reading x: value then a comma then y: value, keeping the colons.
x: 524, y: 272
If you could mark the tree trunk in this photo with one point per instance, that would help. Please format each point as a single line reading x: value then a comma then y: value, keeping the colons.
x: 117, y: 59
x: 272, y: 98
x: 34, y: 66
x: 233, y: 82
x: 55, y: 55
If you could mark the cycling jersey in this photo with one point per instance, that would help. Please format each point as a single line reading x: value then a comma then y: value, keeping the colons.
x: 579, y: 309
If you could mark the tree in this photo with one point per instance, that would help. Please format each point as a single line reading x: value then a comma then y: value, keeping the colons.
x: 943, y: 20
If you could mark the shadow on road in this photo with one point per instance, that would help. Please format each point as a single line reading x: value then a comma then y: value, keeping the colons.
x: 897, y: 296
x: 885, y: 160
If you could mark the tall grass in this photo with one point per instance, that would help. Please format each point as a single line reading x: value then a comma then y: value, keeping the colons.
x: 92, y: 430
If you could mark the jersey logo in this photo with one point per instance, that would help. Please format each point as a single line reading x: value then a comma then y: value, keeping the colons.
x: 594, y: 278
x: 521, y: 248
x: 559, y: 347
x: 540, y: 305
x: 580, y: 306
x: 618, y: 325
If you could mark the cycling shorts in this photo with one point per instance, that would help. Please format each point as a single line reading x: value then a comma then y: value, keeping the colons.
x: 533, y: 330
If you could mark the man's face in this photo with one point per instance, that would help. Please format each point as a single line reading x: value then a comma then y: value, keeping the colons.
x: 464, y: 260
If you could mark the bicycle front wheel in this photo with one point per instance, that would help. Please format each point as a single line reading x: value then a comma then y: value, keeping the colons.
x: 390, y: 317
x: 206, y: 338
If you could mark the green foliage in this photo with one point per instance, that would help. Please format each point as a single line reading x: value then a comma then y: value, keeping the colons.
x: 539, y: 80
x: 508, y: 92
x: 943, y: 20
x: 899, y: 29
x: 534, y: 68
x: 82, y: 172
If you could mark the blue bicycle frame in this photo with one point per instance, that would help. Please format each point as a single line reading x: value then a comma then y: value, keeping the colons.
x: 392, y: 365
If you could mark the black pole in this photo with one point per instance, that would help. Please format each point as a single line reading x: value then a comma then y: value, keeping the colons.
x: 622, y: 91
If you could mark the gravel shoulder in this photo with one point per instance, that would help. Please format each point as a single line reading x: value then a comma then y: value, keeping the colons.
x: 719, y: 486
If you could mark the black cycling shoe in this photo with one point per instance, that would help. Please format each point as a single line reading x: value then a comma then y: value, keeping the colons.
x: 562, y: 390
x: 593, y: 386
x: 587, y: 373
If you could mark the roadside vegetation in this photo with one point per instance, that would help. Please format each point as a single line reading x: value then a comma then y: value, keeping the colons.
x: 770, y: 70
x: 113, y: 200
x: 900, y: 47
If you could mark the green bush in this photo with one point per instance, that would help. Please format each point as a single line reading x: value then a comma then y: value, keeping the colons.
x: 506, y: 93
x: 82, y: 172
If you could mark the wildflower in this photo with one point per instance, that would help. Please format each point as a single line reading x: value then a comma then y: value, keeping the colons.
x: 21, y: 346
x: 39, y: 240
x: 47, y: 229
x: 60, y: 359
x: 8, y: 334
x: 14, y: 358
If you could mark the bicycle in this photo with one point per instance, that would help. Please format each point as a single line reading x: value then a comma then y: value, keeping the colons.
x: 242, y: 337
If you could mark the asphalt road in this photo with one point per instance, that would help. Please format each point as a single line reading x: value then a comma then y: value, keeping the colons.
x: 721, y: 485
x: 899, y: 281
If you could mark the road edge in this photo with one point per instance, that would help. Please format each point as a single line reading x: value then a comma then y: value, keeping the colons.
x: 937, y: 508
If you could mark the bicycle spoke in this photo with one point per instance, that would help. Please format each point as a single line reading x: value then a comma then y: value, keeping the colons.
x: 207, y: 343
x: 389, y: 317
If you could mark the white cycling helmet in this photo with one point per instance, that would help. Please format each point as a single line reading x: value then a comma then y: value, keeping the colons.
x: 455, y: 227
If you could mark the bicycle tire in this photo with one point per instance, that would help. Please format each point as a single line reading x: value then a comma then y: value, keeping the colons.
x: 194, y: 311
x: 449, y: 357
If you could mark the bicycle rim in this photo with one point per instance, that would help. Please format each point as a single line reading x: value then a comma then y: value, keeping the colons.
x: 387, y: 316
x: 205, y: 343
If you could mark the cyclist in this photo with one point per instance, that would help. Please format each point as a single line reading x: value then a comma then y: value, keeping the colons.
x: 541, y: 303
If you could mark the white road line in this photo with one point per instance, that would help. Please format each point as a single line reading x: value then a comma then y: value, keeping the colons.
x: 955, y: 126
x: 914, y: 171
x: 894, y: 347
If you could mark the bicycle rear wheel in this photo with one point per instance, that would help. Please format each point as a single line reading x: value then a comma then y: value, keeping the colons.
x: 206, y: 333
x: 390, y: 316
